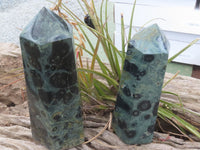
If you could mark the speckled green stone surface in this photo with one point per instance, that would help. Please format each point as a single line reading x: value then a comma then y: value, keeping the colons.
x: 51, y: 79
x: 137, y: 103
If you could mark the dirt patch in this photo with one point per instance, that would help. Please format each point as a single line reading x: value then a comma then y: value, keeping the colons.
x: 12, y: 86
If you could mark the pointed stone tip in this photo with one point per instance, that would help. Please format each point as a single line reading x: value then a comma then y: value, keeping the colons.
x: 151, y: 39
x: 155, y: 28
x: 45, y: 11
x: 46, y: 27
x: 155, y: 25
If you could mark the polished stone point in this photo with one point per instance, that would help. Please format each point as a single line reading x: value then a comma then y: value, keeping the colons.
x: 141, y: 83
x: 51, y: 80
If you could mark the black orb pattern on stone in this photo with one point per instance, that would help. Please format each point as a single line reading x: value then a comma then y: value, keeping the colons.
x: 129, y: 52
x: 43, y: 113
x: 122, y: 124
x: 57, y: 117
x: 126, y: 91
x: 122, y: 104
x: 130, y: 133
x: 148, y: 58
x: 134, y: 124
x: 60, y: 94
x: 136, y: 113
x: 28, y: 86
x: 146, y: 117
x: 53, y: 67
x: 56, y: 99
x: 155, y: 108
x: 79, y: 114
x: 32, y: 50
x: 133, y: 69
x: 137, y: 96
x: 114, y: 119
x: 66, y: 136
x: 68, y: 96
x: 34, y: 53
x: 45, y: 96
x: 143, y: 73
x: 70, y: 67
x: 61, y: 52
x: 60, y: 141
x: 74, y: 89
x: 66, y: 125
x: 54, y: 137
x: 37, y: 80
x: 144, y: 105
x: 54, y: 129
x: 164, y: 68
x: 130, y: 45
x: 62, y: 80
x: 150, y: 129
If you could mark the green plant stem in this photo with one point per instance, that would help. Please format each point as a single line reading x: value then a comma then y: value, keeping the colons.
x: 131, y: 22
x: 171, y: 79
x: 181, y: 51
x: 114, y: 82
x: 183, y: 123
x: 94, y: 58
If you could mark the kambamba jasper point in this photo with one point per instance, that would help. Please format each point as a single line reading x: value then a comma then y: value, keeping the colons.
x: 141, y: 83
x: 51, y: 81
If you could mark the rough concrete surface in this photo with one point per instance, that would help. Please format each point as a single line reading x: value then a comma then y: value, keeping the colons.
x: 15, y: 14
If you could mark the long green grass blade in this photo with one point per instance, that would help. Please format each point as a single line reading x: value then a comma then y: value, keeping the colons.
x: 75, y: 18
x: 150, y: 22
x: 123, y: 40
x: 109, y: 98
x: 104, y: 68
x: 83, y: 9
x: 172, y: 105
x: 112, y: 54
x: 167, y: 92
x: 177, y: 106
x: 170, y: 115
x: 114, y: 82
x: 181, y: 51
x: 131, y: 21
x: 117, y: 66
x: 102, y: 89
x: 97, y: 20
x: 94, y: 58
x: 171, y: 79
x: 69, y: 12
x: 87, y: 38
x: 101, y: 12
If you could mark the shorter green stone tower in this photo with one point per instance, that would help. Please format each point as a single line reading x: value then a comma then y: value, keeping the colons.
x: 140, y: 88
x: 51, y: 81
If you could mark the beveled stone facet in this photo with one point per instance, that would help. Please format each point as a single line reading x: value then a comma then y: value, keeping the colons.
x: 137, y: 102
x: 51, y: 80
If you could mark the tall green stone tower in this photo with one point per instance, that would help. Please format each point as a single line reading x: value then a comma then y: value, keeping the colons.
x: 141, y: 83
x: 51, y: 80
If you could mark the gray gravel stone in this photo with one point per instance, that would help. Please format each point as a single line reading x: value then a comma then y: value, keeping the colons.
x: 5, y: 4
x: 15, y: 14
